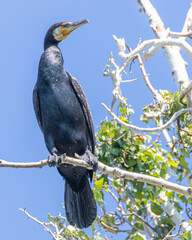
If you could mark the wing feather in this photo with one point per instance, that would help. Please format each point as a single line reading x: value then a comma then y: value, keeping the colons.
x: 37, y: 107
x: 85, y: 107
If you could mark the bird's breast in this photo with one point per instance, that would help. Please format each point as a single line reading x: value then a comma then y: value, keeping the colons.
x: 63, y: 118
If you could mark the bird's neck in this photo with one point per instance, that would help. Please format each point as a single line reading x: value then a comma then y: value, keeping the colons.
x: 48, y: 44
x: 53, y: 55
x: 50, y: 41
x: 51, y: 65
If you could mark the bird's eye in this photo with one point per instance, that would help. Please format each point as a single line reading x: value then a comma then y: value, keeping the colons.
x: 64, y: 25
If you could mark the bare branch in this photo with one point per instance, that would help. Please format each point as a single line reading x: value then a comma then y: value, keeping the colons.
x: 114, y: 171
x: 146, y: 78
x: 39, y: 164
x: 168, y: 236
x: 155, y: 129
x: 173, y: 56
x: 188, y: 211
x: 156, y: 141
x: 188, y: 20
x: 116, y: 230
x: 143, y: 220
x: 160, y: 43
x: 117, y: 200
x: 41, y: 223
x: 182, y: 34
x: 156, y: 45
x: 186, y: 90
x: 173, y: 213
x: 132, y: 80
x: 116, y: 77
x: 153, y: 114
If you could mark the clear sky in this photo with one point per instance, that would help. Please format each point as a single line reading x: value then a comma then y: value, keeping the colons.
x: 23, y: 25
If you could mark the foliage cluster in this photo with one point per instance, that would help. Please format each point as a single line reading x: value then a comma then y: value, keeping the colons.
x: 140, y: 207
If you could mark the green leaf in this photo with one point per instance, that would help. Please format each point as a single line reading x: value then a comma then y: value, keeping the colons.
x: 185, y: 152
x: 99, y: 184
x: 183, y: 162
x: 187, y: 235
x: 144, y: 158
x: 173, y: 163
x: 169, y: 194
x: 137, y: 236
x: 179, y: 178
x: 139, y: 164
x: 169, y: 155
x: 158, y: 158
x: 144, y: 119
x: 156, y: 209
x: 98, y: 196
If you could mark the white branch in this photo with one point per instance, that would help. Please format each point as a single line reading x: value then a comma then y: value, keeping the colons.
x: 155, y: 129
x: 148, y: 83
x: 42, y: 223
x: 114, y: 171
x: 178, y: 69
x: 116, y: 78
x: 185, y: 90
x: 182, y: 35
x: 173, y: 213
x: 174, y: 58
x: 188, y: 20
x: 39, y: 164
x: 160, y: 43
x: 172, y: 55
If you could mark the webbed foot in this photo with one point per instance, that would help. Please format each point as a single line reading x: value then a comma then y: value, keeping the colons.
x: 54, y: 159
x: 90, y: 159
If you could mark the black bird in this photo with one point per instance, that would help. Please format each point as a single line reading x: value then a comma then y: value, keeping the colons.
x: 64, y: 117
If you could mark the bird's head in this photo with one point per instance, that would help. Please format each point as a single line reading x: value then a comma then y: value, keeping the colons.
x: 60, y: 31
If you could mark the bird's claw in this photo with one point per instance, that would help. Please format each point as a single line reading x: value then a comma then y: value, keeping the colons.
x: 89, y: 158
x: 54, y: 160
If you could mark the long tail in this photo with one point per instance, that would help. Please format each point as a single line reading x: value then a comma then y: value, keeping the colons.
x: 81, y: 209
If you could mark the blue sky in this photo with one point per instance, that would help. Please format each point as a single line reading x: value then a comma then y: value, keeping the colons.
x: 23, y: 26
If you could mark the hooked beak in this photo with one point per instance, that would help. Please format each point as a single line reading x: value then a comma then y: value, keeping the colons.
x: 66, y: 28
x: 75, y: 25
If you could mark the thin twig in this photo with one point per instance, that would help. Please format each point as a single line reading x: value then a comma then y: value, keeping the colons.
x: 121, y: 136
x: 182, y: 34
x: 187, y: 131
x: 41, y: 223
x: 168, y: 236
x: 133, y: 80
x: 185, y: 90
x: 179, y: 130
x: 152, y: 114
x: 106, y: 238
x: 147, y: 81
x: 145, y: 75
x: 116, y: 230
x: 156, y: 141
x: 117, y: 200
x: 143, y: 220
x: 188, y: 211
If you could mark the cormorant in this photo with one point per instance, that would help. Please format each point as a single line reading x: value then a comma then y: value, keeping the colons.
x: 64, y: 117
